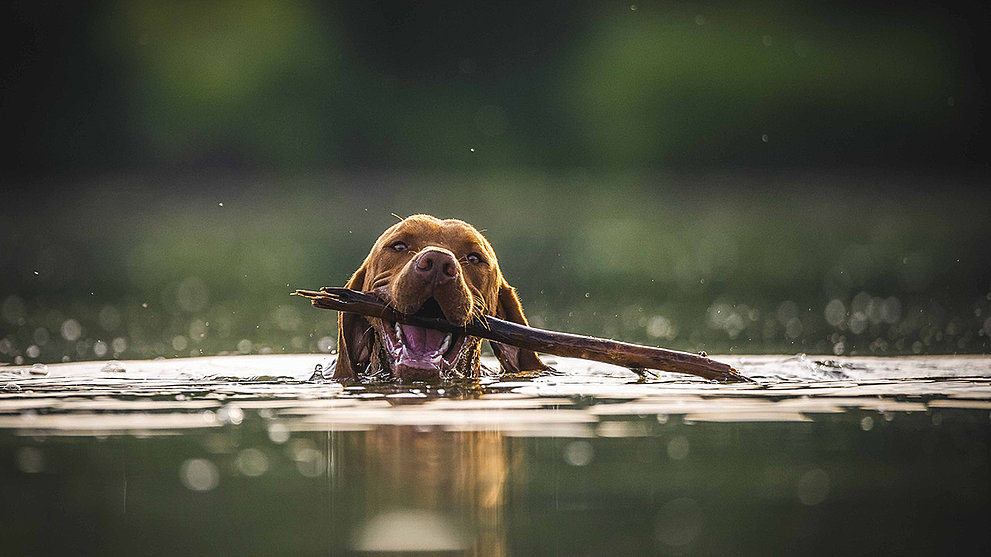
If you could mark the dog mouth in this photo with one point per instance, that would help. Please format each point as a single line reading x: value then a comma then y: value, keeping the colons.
x: 420, y: 353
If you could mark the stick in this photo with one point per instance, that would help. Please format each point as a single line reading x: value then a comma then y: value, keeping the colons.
x: 634, y: 356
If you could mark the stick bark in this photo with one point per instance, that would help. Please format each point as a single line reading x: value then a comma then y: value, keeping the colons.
x: 634, y: 356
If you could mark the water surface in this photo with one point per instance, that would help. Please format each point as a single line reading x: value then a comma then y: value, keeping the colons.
x: 248, y: 455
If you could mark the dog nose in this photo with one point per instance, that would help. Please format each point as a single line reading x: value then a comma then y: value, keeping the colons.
x: 437, y: 266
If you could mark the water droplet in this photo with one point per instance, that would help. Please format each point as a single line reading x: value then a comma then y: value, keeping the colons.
x: 251, y: 462
x: 199, y: 474
x: 71, y: 330
x: 13, y: 387
x: 578, y: 453
x: 179, y: 343
x: 39, y: 369
x: 317, y: 373
x: 309, y: 461
x: 278, y: 433
x: 231, y: 414
x: 867, y: 423
x: 244, y: 346
x: 661, y: 327
x: 326, y: 344
x: 835, y: 312
x: 113, y: 366
x: 41, y: 336
x: 119, y: 345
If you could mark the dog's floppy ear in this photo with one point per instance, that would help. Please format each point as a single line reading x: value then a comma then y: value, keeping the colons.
x: 512, y: 358
x: 354, y: 337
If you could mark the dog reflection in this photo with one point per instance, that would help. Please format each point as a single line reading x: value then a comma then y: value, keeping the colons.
x: 452, y: 482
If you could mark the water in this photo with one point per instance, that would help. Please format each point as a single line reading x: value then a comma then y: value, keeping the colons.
x: 245, y: 454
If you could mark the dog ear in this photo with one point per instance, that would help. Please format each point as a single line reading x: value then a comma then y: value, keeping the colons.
x: 510, y: 357
x: 355, y: 338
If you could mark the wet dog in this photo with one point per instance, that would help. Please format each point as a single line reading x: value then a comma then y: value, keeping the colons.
x: 434, y: 268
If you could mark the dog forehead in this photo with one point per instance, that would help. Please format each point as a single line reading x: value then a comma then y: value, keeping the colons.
x: 433, y: 230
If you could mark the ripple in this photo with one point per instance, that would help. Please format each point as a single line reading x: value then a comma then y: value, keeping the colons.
x: 581, y: 400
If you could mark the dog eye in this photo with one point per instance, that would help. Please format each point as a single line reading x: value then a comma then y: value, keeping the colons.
x: 399, y: 246
x: 474, y: 258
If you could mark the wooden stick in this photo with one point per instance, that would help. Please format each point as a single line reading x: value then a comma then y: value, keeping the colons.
x: 633, y: 356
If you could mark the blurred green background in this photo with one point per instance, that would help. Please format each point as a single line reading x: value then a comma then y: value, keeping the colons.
x: 729, y: 177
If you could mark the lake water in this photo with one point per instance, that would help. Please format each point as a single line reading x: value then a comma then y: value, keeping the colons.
x: 246, y: 455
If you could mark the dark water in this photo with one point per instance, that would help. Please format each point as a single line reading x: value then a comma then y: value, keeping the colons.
x: 241, y: 456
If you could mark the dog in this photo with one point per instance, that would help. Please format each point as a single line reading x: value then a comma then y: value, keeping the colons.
x: 435, y: 268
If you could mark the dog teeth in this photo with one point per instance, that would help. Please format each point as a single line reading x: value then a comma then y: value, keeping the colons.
x: 447, y: 343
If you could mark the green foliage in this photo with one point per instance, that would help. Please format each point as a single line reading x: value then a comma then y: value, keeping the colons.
x: 690, y: 262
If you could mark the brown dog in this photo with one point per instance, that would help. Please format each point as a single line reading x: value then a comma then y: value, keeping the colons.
x: 431, y: 267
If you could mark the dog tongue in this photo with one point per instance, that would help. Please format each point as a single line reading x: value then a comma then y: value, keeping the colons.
x: 422, y: 341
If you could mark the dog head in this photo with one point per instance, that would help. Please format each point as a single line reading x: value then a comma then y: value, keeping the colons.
x: 434, y: 268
